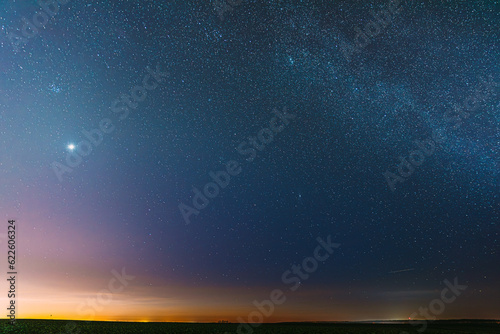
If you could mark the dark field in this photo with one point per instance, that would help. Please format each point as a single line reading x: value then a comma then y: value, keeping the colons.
x: 59, y: 327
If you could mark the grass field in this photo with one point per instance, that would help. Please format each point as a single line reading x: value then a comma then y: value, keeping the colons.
x: 96, y: 327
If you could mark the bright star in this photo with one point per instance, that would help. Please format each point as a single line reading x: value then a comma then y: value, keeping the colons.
x: 71, y: 147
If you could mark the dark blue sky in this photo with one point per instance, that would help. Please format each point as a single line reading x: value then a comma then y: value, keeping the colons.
x: 424, y: 88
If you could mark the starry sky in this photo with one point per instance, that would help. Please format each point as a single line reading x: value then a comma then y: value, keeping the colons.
x: 115, y: 115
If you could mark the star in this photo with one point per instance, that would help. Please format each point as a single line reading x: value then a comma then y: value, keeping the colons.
x: 71, y: 147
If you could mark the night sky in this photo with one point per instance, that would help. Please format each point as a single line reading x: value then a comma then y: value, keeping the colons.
x: 203, y: 147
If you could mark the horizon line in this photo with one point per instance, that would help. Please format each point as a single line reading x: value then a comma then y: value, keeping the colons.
x: 279, y: 322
